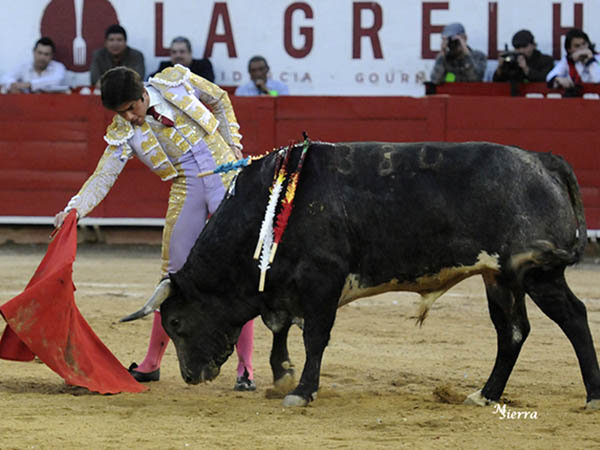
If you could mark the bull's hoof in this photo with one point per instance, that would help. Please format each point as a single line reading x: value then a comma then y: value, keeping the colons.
x: 281, y: 387
x: 593, y: 405
x: 477, y: 399
x: 285, y: 383
x: 294, y: 400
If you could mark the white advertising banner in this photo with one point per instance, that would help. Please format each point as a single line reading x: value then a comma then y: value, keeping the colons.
x: 317, y: 47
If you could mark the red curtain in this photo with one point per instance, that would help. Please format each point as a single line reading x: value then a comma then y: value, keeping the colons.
x: 44, y: 321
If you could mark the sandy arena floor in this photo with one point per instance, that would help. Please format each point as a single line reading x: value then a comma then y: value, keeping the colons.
x: 385, y: 382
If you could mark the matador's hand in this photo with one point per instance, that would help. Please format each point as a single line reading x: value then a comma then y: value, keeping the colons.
x: 59, y: 219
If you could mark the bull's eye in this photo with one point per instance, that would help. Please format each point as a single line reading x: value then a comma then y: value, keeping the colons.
x: 174, y: 323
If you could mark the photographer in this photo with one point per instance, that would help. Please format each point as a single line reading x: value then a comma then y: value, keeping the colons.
x: 456, y: 60
x: 580, y: 65
x: 526, y: 63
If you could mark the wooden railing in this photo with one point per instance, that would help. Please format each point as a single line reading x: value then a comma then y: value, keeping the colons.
x: 49, y: 144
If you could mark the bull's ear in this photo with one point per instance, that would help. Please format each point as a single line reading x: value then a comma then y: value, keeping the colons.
x: 161, y: 293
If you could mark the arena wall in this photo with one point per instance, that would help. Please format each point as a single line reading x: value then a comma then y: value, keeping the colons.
x: 50, y: 143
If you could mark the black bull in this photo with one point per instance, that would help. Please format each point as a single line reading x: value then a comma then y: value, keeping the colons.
x: 376, y: 217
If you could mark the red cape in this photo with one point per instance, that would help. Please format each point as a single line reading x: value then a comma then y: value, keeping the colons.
x: 44, y: 321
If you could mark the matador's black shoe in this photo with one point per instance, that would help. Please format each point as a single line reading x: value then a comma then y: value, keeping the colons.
x: 143, y: 377
x: 244, y: 383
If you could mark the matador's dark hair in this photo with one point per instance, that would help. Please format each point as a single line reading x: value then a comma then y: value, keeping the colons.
x: 120, y: 85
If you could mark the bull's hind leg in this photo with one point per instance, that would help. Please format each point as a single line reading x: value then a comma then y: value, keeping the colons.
x: 549, y: 290
x: 509, y: 315
x: 283, y: 372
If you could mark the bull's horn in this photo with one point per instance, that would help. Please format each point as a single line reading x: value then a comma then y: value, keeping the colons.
x: 161, y: 293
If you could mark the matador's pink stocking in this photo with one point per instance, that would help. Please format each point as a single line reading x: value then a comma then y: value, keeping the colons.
x: 244, y: 350
x: 156, y: 348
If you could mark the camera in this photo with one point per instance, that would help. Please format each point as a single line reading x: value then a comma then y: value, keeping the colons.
x: 511, y: 70
x: 510, y: 57
x: 453, y: 44
x: 453, y: 48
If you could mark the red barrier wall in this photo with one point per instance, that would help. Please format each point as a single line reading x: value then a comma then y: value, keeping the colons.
x: 50, y: 143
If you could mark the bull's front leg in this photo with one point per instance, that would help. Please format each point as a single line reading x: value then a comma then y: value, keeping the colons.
x: 317, y: 329
x: 283, y: 372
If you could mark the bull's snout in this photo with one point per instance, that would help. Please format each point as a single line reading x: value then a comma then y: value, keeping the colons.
x: 207, y: 373
x: 189, y: 377
x: 191, y: 380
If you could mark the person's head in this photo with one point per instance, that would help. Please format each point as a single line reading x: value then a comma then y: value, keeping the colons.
x: 43, y: 52
x: 451, y: 34
x: 115, y: 39
x: 258, y: 68
x: 577, y: 39
x: 524, y: 43
x: 181, y: 51
x: 124, y: 93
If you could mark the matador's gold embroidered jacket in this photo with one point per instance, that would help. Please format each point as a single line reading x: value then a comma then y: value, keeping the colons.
x: 159, y: 147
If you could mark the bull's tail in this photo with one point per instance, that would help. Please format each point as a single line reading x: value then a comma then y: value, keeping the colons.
x: 557, y: 164
x: 541, y: 254
x: 544, y: 253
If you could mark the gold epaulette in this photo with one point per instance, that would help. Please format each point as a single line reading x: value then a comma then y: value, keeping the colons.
x: 171, y: 76
x: 118, y: 132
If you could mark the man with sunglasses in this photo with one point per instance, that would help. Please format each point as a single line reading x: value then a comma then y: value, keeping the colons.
x: 526, y: 63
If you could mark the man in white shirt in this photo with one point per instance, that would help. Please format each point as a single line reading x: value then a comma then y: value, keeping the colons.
x: 43, y: 74
x: 260, y: 83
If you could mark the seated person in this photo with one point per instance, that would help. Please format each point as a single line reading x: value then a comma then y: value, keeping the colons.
x: 580, y: 65
x: 181, y: 53
x: 526, y: 63
x: 115, y: 53
x: 260, y: 83
x: 456, y: 60
x: 41, y: 74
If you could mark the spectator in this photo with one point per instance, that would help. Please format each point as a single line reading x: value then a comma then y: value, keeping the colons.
x: 115, y: 53
x: 260, y: 83
x: 526, y: 63
x: 456, y: 60
x: 580, y: 65
x: 181, y: 53
x: 43, y: 74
